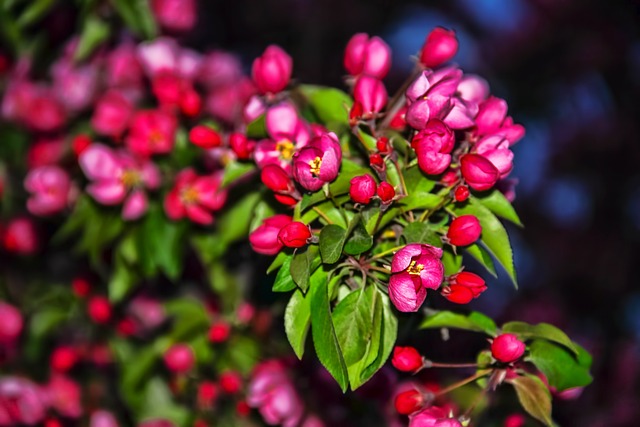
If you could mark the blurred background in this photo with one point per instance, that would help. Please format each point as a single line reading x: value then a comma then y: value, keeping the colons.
x: 569, y: 70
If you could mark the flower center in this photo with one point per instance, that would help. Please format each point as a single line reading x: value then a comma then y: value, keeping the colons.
x: 189, y: 195
x: 286, y: 149
x: 155, y: 137
x: 130, y: 178
x: 414, y: 269
x: 315, y: 166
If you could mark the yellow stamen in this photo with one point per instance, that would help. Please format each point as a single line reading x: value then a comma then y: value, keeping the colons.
x: 286, y: 149
x: 155, y: 137
x: 130, y: 178
x: 315, y: 166
x: 414, y: 269
x: 189, y: 195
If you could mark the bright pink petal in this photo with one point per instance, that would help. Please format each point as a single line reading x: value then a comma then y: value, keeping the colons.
x: 135, y: 206
x: 403, y: 293
x: 107, y: 192
x: 99, y: 162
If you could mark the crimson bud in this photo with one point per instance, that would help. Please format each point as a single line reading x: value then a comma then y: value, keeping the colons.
x: 386, y: 192
x: 464, y: 287
x: 383, y: 145
x: 407, y: 359
x: 271, y: 71
x: 191, y: 103
x: 99, y: 309
x: 179, y: 358
x: 440, y: 46
x: 461, y: 193
x: 409, y: 402
x: 478, y: 172
x: 64, y: 358
x: 294, y: 235
x: 507, y: 348
x: 11, y: 324
x: 464, y: 230
x: 362, y: 189
x: 276, y: 179
x: 230, y: 382
x: 241, y: 145
x: 204, y: 137
x: 371, y: 93
x: 219, y: 332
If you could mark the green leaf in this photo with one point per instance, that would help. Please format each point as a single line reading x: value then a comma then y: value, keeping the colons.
x: 417, y: 182
x: 94, y: 32
x: 421, y: 232
x: 332, y: 239
x: 482, y: 256
x: 324, y: 334
x: 304, y: 263
x: 562, y: 369
x: 534, y: 398
x: 474, y: 321
x: 234, y: 171
x: 137, y: 16
x: 452, y: 262
x: 330, y: 105
x: 257, y: 128
x: 499, y: 205
x: 297, y: 319
x: 359, y: 241
x: 284, y: 282
x: 158, y: 403
x: 545, y: 331
x: 494, y: 236
x: 277, y: 262
x: 122, y: 281
x: 352, y: 318
x: 36, y: 10
x: 383, y: 340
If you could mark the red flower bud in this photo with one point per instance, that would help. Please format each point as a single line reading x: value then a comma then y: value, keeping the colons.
x: 204, y: 137
x: 386, y: 192
x: 80, y: 143
x: 126, y: 327
x: 80, y: 287
x: 449, y: 178
x: 408, y: 402
x: 371, y: 93
x: 515, y: 420
x: 207, y: 394
x: 440, y: 46
x: 464, y: 230
x: 99, y: 310
x: 370, y: 56
x: 376, y: 160
x: 464, y: 287
x: 383, y: 145
x: 264, y: 239
x: 219, y: 332
x: 64, y: 358
x: 21, y: 237
x: 243, y: 409
x: 11, y: 324
x: 179, y: 358
x: 478, y: 172
x: 362, y: 189
x: 399, y: 121
x: 191, y: 103
x: 271, y: 71
x: 230, y: 382
x: 276, y: 179
x: 407, y: 359
x: 355, y: 113
x: 294, y: 235
x: 241, y: 145
x: 461, y: 193
x: 507, y: 348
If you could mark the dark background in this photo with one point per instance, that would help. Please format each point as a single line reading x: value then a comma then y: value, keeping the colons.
x: 570, y: 70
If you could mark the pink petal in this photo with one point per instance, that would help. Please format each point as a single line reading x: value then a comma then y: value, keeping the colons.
x: 99, y: 162
x: 107, y: 192
x: 135, y: 206
x: 403, y: 257
x: 403, y: 293
x: 199, y: 215
x: 173, y: 206
x: 281, y: 121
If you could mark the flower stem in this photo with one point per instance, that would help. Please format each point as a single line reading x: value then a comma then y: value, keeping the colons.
x: 322, y: 214
x: 464, y: 382
x: 385, y: 253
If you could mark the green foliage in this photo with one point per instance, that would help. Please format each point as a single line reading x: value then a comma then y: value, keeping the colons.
x: 534, y: 397
x: 563, y: 369
x: 474, y: 321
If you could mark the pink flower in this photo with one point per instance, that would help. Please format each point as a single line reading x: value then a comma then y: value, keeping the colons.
x: 507, y: 348
x: 362, y: 188
x: 271, y: 72
x: 271, y: 391
x: 433, y: 417
x: 102, y: 418
x: 12, y: 323
x: 64, y: 396
x: 175, y: 15
x: 112, y: 114
x: 369, y: 56
x: 219, y: 68
x: 492, y: 119
x: 75, y: 86
x: 495, y: 148
x: 318, y: 163
x: 49, y: 187
x: 371, y: 94
x: 164, y: 54
x: 407, y: 359
x: 147, y: 312
x: 294, y: 234
x: 21, y: 402
x: 179, y: 358
x: 473, y: 88
x: 117, y: 177
x: 151, y: 132
x: 227, y: 102
x: 464, y: 230
x: 44, y: 113
x: 264, y: 239
x: 123, y: 70
x: 21, y: 237
x: 433, y: 145
x: 478, y: 172
x: 415, y: 268
x: 440, y: 46
x: 463, y: 287
x: 195, y: 197
x: 45, y: 151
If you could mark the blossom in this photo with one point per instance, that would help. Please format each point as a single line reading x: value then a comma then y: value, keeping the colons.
x: 362, y: 188
x: 294, y: 235
x: 433, y: 145
x: 179, y: 358
x: 21, y: 401
x: 432, y: 417
x: 12, y: 323
x: 112, y: 114
x: 464, y: 230
x: 264, y: 239
x: 117, y: 177
x: 195, y: 197
x: 318, y: 163
x: 407, y: 359
x: 271, y: 71
x: 415, y: 268
x: 507, y: 348
x: 440, y: 46
x: 463, y: 287
x: 49, y: 187
x: 370, y: 94
x: 369, y: 56
x: 175, y: 15
x: 151, y: 132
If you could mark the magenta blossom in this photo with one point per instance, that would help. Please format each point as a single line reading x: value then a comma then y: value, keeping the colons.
x: 195, y: 197
x: 495, y: 148
x: 74, y: 85
x: 112, y: 114
x: 414, y: 269
x: 164, y: 54
x: 21, y: 402
x: 271, y: 71
x: 49, y: 187
x: 492, y: 119
x: 151, y: 132
x: 433, y: 417
x: 433, y: 145
x: 123, y: 70
x: 175, y: 15
x: 271, y: 391
x: 117, y: 177
x: 369, y: 56
x: 219, y: 68
x: 63, y: 394
x: 318, y: 162
x: 264, y: 239
x: 227, y: 102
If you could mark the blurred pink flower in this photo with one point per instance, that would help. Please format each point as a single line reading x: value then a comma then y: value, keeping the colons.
x: 49, y: 187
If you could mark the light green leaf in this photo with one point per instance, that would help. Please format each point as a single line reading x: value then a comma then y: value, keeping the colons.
x: 545, y: 331
x: 482, y: 256
x: 352, y: 318
x: 562, y: 369
x: 332, y: 238
x: 499, y: 205
x: 304, y: 263
x: 474, y: 321
x: 297, y: 319
x: 421, y: 232
x: 233, y: 171
x: 330, y: 105
x: 284, y: 282
x: 359, y: 240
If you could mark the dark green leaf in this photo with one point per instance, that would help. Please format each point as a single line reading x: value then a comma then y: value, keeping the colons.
x: 494, y: 236
x: 545, y: 331
x: 562, y: 369
x: 137, y: 16
x: 474, y: 321
x: 332, y: 238
x: 482, y: 256
x: 234, y: 171
x: 499, y: 205
x: 359, y: 240
x: 534, y: 398
x: 352, y: 318
x: 297, y: 319
x: 340, y: 186
x: 284, y: 282
x: 304, y: 263
x: 35, y: 11
x: 421, y: 232
x: 324, y: 334
x: 330, y: 105
x: 384, y: 338
x: 257, y: 128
